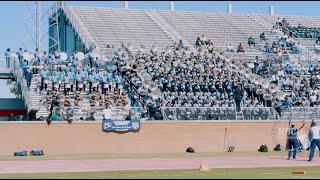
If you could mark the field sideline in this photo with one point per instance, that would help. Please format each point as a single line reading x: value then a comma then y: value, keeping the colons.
x: 271, y: 173
x: 160, y: 165
x: 144, y: 155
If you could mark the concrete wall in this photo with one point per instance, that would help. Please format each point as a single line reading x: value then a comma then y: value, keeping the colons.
x: 80, y: 138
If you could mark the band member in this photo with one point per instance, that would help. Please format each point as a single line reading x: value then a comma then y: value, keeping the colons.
x: 293, y: 140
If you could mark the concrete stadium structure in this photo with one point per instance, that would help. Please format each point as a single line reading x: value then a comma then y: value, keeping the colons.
x: 153, y: 137
x: 78, y: 28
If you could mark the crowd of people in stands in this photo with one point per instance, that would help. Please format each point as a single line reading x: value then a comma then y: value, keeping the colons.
x: 192, y: 79
x: 65, y: 81
x: 300, y: 80
x: 176, y: 77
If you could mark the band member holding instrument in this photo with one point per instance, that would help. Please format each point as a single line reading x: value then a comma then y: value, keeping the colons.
x: 292, y: 140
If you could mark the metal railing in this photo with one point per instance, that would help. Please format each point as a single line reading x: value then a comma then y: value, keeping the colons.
x: 230, y: 113
x: 18, y: 73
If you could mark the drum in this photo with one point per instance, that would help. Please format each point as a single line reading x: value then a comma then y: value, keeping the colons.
x: 94, y: 84
x: 68, y: 86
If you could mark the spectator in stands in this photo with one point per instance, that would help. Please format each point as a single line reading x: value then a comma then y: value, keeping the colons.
x: 44, y: 76
x: 317, y: 47
x: 7, y: 55
x: 285, y: 23
x: 70, y: 112
x: 262, y: 36
x: 33, y: 114
x: 56, y: 115
x: 210, y: 46
x: 181, y: 45
x: 230, y: 48
x: 107, y: 113
x: 238, y: 97
x: 198, y: 42
x: 287, y: 103
x: 317, y: 36
x: 268, y: 48
x: 203, y: 40
x: 251, y: 41
x: 90, y: 116
x: 295, y: 49
x: 278, y: 23
x: 274, y: 31
x: 240, y: 48
x: 175, y: 45
x: 28, y: 78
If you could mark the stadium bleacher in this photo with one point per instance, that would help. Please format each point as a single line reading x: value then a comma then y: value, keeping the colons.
x: 146, y: 59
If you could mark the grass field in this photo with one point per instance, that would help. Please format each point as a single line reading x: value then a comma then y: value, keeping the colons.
x: 144, y: 155
x: 274, y: 173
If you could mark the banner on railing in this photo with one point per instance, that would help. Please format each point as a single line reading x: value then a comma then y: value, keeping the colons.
x: 120, y: 126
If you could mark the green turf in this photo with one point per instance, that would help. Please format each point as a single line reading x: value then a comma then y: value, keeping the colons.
x: 252, y: 173
x: 142, y: 155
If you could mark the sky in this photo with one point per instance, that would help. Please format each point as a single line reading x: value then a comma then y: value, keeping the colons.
x: 15, y: 14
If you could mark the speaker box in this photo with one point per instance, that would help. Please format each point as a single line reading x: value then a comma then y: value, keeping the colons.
x: 20, y: 153
x: 36, y: 153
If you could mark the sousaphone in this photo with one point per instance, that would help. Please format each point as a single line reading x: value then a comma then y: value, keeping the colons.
x: 79, y: 56
x: 26, y: 56
x: 63, y: 56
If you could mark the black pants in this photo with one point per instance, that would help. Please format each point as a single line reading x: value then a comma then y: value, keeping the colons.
x: 238, y: 106
x: 90, y: 87
x: 42, y: 81
x: 102, y: 87
x: 90, y: 63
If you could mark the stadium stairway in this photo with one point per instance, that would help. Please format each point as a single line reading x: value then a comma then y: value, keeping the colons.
x: 167, y: 28
x: 35, y: 98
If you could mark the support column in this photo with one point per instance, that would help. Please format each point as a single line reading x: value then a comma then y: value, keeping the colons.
x: 126, y: 4
x: 229, y: 8
x: 271, y: 10
x: 171, y: 5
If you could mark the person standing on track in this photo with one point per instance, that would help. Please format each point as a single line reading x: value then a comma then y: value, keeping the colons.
x: 314, y: 137
x: 293, y: 140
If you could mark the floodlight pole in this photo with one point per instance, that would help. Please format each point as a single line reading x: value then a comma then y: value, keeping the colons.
x: 38, y: 25
x: 126, y: 4
x: 271, y: 10
x: 171, y: 5
x: 229, y: 8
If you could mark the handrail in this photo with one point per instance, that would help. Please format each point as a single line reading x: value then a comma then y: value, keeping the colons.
x: 230, y: 113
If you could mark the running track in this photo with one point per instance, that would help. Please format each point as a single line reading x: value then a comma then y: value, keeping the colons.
x: 42, y: 166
